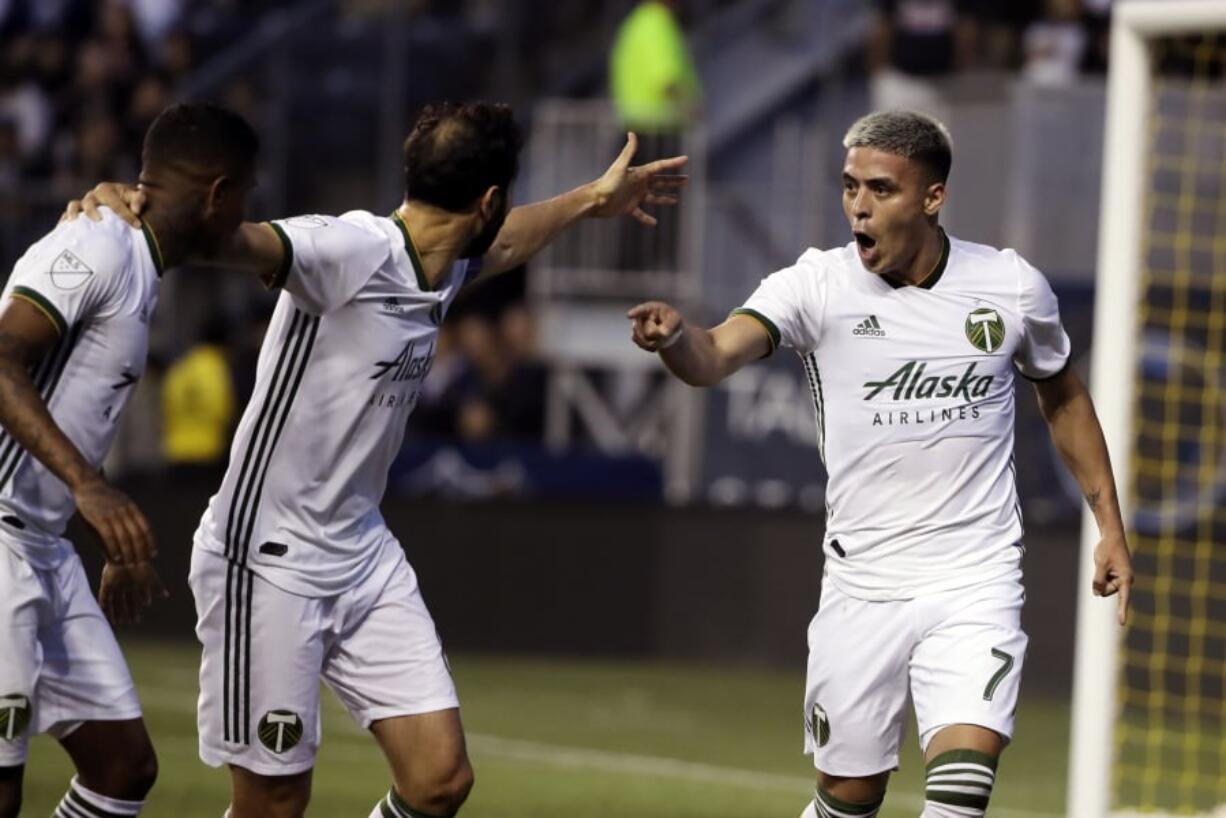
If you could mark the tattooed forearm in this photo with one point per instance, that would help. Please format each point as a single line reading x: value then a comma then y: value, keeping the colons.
x: 1093, y: 497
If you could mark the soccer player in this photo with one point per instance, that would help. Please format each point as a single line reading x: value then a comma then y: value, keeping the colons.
x: 294, y: 571
x: 910, y: 340
x: 74, y: 327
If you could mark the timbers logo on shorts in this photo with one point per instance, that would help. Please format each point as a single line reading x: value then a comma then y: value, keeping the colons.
x: 280, y: 730
x: 14, y: 716
x: 819, y: 725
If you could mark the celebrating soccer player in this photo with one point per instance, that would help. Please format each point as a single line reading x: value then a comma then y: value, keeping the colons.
x: 74, y: 329
x: 910, y: 340
x: 295, y: 573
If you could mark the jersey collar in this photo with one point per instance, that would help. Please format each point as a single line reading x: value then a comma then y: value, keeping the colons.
x: 155, y: 249
x: 422, y: 282
x: 929, y: 281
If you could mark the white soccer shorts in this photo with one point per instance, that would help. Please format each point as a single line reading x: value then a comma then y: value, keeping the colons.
x: 266, y: 650
x: 61, y: 665
x: 960, y: 654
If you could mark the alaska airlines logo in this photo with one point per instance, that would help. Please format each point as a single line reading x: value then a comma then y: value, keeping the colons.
x: 407, y: 365
x: 909, y: 382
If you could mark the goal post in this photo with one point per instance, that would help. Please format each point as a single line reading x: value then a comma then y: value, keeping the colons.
x: 1104, y: 708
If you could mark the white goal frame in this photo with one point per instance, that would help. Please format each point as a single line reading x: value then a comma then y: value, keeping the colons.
x: 1113, y: 367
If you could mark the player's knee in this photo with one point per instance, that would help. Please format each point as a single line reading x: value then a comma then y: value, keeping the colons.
x: 448, y: 792
x: 442, y: 792
x: 144, y: 773
x: 860, y: 790
x: 128, y: 774
x: 276, y: 799
x: 266, y: 796
x: 861, y: 797
x: 959, y: 784
x: 457, y: 786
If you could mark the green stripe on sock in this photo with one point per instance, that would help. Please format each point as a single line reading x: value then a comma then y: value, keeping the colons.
x: 962, y: 757
x: 958, y: 799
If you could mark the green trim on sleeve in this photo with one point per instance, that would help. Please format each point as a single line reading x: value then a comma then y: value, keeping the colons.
x: 287, y: 258
x: 772, y: 331
x: 44, y: 306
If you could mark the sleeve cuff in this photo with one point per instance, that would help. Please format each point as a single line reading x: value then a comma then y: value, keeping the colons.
x: 287, y: 257
x: 42, y: 305
x: 772, y: 331
x: 1043, y: 378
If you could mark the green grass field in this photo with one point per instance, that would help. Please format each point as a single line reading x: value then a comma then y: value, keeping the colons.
x: 576, y: 739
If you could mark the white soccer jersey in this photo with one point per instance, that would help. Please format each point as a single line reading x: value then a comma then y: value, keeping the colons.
x: 98, y: 283
x: 913, y: 387
x: 352, y: 338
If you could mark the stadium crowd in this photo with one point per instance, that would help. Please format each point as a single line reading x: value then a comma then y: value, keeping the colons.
x: 80, y: 80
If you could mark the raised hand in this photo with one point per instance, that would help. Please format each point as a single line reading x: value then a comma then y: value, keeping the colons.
x: 123, y: 529
x: 126, y: 200
x: 126, y: 590
x: 655, y: 325
x: 624, y: 189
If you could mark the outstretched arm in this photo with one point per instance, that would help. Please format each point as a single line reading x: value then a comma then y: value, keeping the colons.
x: 621, y: 190
x: 26, y: 335
x: 698, y: 356
x: 252, y: 248
x: 1069, y: 411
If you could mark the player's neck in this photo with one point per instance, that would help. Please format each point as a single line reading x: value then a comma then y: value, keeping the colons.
x: 437, y: 236
x: 170, y: 243
x: 925, y: 261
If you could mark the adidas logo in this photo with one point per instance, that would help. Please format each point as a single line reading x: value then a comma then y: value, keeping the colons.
x: 869, y: 328
x: 392, y: 305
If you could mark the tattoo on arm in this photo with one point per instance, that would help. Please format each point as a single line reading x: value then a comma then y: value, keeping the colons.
x: 1092, y: 499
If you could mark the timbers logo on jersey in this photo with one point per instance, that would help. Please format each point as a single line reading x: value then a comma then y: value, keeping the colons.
x: 985, y: 329
x: 280, y: 730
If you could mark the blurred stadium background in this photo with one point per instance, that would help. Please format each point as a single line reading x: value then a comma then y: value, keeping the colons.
x: 622, y: 568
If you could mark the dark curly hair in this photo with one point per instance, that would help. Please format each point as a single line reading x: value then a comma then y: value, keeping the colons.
x: 458, y: 150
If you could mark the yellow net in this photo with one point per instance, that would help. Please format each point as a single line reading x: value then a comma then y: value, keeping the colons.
x: 1171, y: 745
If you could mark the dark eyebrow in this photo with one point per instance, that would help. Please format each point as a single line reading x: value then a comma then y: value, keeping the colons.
x: 884, y: 181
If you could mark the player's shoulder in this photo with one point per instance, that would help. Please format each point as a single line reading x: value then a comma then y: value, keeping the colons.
x: 816, y: 263
x: 102, y: 246
x: 987, y: 256
x: 823, y: 267
x: 354, y: 236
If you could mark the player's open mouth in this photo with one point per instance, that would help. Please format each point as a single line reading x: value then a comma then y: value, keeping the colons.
x: 867, y: 247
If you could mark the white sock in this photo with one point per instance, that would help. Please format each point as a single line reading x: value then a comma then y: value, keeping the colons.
x: 810, y: 811
x: 80, y: 802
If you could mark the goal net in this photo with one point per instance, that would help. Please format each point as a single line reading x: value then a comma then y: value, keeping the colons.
x: 1150, y: 702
